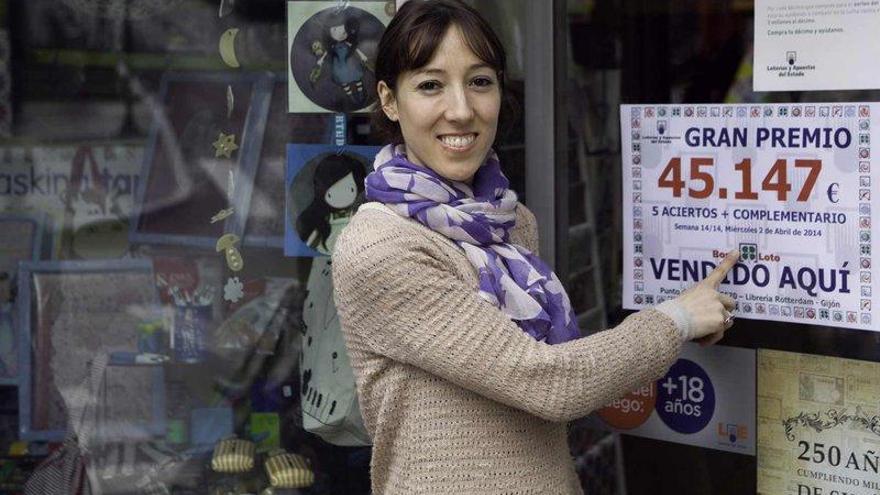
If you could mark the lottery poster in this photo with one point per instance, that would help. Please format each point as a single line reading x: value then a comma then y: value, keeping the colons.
x: 789, y: 186
x: 818, y: 425
x: 706, y: 399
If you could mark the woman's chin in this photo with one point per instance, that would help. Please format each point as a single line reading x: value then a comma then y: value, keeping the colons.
x: 459, y: 170
x: 458, y: 176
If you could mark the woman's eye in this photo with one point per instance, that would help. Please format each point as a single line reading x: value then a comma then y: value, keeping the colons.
x: 483, y: 82
x: 429, y: 86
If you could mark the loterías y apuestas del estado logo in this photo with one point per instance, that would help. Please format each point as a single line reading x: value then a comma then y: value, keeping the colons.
x: 791, y: 67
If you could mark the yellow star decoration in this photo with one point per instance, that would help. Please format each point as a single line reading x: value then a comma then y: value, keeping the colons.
x: 225, y: 145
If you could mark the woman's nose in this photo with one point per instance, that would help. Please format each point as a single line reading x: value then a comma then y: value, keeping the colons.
x: 458, y: 106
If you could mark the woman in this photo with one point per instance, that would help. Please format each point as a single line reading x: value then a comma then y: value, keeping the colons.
x: 463, y: 342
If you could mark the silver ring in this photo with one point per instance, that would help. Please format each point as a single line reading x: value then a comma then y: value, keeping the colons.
x: 728, y: 320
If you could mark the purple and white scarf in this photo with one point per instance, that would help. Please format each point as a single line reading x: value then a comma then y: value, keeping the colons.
x: 478, y: 218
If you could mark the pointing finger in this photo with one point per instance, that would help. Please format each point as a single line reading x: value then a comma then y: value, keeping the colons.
x: 718, y: 274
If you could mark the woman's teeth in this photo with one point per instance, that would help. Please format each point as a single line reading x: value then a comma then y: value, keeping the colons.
x: 458, y: 141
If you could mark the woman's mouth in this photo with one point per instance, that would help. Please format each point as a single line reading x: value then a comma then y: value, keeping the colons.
x: 458, y: 142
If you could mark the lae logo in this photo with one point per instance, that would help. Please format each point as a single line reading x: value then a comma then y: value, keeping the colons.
x: 661, y: 127
x: 791, y: 57
x: 732, y: 432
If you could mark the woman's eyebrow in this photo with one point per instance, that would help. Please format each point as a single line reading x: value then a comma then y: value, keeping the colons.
x: 481, y: 65
x: 434, y: 70
x: 429, y: 71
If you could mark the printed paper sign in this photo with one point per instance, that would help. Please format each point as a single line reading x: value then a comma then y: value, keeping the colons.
x: 816, y: 44
x: 706, y: 399
x: 818, y: 425
x: 789, y: 186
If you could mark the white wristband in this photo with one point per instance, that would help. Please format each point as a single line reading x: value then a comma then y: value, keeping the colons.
x: 679, y: 315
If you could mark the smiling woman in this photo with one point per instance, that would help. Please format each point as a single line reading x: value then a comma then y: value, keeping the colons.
x: 466, y: 351
x: 443, y: 97
x: 447, y: 110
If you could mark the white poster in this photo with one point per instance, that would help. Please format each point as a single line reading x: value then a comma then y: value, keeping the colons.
x: 790, y: 186
x: 816, y: 45
x: 706, y: 399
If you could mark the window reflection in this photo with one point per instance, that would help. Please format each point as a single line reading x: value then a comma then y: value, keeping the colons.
x: 146, y: 302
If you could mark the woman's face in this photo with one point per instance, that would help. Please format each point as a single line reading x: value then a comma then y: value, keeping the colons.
x: 342, y: 193
x: 447, y: 110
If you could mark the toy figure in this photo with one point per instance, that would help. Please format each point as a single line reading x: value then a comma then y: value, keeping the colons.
x: 347, y: 61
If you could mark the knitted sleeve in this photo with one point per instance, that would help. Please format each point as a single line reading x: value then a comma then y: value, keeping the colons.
x: 527, y: 229
x: 398, y: 297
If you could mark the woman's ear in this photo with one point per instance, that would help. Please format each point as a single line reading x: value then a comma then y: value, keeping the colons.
x: 387, y: 100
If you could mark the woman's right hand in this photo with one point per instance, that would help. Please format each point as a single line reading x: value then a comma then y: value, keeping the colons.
x: 709, y: 309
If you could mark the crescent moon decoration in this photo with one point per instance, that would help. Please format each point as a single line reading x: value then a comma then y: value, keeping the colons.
x: 226, y: 7
x: 833, y: 190
x: 227, y: 47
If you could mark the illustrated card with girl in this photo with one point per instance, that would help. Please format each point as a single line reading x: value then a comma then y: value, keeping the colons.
x: 325, y: 185
x: 332, y: 54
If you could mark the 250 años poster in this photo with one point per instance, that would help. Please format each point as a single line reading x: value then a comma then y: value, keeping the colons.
x: 818, y: 425
x: 790, y: 186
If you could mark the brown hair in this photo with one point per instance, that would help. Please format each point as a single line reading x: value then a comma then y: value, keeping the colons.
x: 413, y: 36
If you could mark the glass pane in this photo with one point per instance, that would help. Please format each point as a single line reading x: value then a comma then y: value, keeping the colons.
x: 148, y: 185
x: 664, y: 52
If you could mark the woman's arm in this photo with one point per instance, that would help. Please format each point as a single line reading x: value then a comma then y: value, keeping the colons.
x: 398, y: 297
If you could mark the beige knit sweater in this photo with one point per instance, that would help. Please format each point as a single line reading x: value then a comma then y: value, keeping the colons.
x: 457, y: 398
